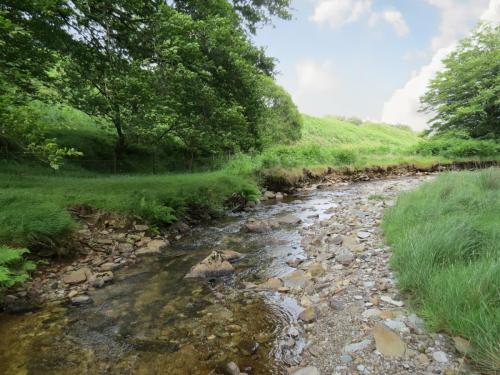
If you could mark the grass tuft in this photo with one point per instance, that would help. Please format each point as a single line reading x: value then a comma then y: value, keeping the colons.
x: 449, y: 230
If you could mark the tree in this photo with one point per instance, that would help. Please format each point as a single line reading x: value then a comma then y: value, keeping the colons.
x: 466, y: 94
x: 281, y: 122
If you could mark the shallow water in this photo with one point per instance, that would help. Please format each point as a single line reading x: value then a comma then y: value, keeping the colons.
x: 153, y: 321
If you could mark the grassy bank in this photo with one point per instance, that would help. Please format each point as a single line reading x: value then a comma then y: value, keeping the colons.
x: 446, y: 242
x: 34, y: 206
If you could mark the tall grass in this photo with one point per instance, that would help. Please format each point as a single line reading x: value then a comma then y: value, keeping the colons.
x: 446, y: 242
x: 34, y: 206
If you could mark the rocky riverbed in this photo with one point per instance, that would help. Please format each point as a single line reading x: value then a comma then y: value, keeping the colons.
x: 296, y: 285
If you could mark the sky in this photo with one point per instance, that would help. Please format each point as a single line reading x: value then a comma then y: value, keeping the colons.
x: 368, y: 58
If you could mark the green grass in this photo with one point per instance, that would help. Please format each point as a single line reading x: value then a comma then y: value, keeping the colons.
x: 446, y: 243
x: 34, y: 206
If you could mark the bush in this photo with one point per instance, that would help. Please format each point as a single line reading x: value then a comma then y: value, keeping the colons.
x: 449, y: 230
x: 451, y: 147
x: 28, y: 219
x: 13, y: 267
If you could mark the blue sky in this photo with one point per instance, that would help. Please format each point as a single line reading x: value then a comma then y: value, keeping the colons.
x: 369, y: 58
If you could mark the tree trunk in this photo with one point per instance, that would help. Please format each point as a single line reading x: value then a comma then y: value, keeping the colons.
x: 120, y: 143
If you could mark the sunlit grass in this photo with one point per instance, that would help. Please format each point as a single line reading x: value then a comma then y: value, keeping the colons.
x: 446, y: 242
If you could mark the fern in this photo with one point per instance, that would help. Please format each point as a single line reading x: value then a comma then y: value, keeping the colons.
x: 14, y: 268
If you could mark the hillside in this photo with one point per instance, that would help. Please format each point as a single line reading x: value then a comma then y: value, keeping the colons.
x: 331, y: 131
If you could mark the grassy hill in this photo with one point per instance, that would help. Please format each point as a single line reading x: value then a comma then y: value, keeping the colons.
x: 330, y: 131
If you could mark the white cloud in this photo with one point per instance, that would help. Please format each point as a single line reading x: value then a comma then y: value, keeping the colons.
x: 396, y: 20
x: 315, y: 77
x: 403, y: 105
x: 337, y: 13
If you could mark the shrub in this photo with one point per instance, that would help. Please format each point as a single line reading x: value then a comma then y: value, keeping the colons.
x: 13, y: 267
x: 458, y: 148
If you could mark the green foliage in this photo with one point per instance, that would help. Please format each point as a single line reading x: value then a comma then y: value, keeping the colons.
x: 281, y: 121
x: 330, y: 131
x: 449, y: 230
x: 186, y: 75
x: 466, y: 94
x: 451, y: 147
x: 30, y: 219
x: 13, y: 267
x: 34, y: 206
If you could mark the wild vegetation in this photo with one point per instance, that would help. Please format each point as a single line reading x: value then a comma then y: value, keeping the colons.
x: 445, y: 237
x: 161, y: 109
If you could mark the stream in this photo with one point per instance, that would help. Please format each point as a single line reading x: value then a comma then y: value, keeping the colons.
x: 153, y: 321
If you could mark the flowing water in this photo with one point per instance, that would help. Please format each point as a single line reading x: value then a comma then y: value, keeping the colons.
x: 153, y: 321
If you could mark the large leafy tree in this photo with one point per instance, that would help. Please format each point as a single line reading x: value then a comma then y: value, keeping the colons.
x: 183, y: 69
x: 465, y: 96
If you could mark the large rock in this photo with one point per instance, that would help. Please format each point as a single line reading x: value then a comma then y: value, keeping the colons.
x: 153, y: 247
x: 387, y: 342
x: 309, y: 315
x: 296, y: 280
x: 158, y: 244
x: 273, y: 283
x: 214, y: 265
x: 289, y: 220
x: 257, y: 226
x: 310, y: 370
x: 76, y: 277
x: 231, y: 255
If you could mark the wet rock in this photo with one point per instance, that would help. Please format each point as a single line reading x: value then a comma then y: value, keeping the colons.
x: 76, y: 277
x: 158, y: 245
x: 344, y: 257
x: 257, y: 226
x: 289, y: 220
x: 72, y: 293
x: 295, y: 280
x: 387, y: 342
x: 145, y: 251
x: 248, y: 347
x: 268, y: 195
x: 293, y: 332
x: 294, y: 262
x: 80, y: 300
x: 214, y: 265
x: 231, y: 256
x: 310, y: 370
x: 309, y: 315
x: 99, y: 279
x: 440, y: 357
x: 273, y: 283
x: 278, y: 196
x: 231, y: 369
x: 233, y: 328
x: 357, y: 346
x: 109, y: 266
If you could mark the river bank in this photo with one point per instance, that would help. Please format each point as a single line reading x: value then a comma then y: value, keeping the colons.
x: 320, y: 283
